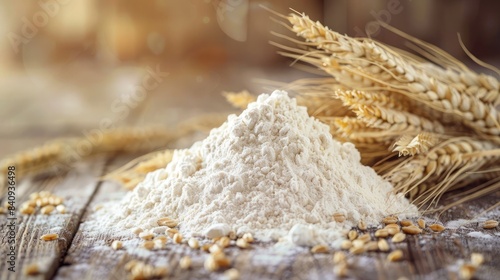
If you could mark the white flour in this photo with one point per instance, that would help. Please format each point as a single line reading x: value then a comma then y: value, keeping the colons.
x: 265, y: 171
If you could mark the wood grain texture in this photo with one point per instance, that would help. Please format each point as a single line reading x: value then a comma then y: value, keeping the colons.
x: 77, y: 188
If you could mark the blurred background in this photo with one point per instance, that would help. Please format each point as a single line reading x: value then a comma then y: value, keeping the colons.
x: 69, y: 65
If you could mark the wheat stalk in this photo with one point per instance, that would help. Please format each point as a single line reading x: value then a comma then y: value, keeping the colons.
x: 60, y: 155
x: 440, y: 118
x: 134, y: 172
x: 354, y: 61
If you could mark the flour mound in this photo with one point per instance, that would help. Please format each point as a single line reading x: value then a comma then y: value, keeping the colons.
x: 265, y: 171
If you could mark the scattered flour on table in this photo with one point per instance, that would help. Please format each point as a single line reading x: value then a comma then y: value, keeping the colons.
x: 478, y: 234
x: 272, y: 171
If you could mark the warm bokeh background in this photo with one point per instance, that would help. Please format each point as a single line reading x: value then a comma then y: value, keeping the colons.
x: 65, y: 65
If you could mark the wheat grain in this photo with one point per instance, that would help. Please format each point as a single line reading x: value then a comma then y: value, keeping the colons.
x: 339, y: 257
x: 383, y: 245
x: 146, y: 235
x: 398, y: 237
x: 32, y: 269
x: 248, y: 237
x: 232, y: 274
x: 395, y: 256
x: 476, y: 259
x: 382, y: 233
x: 390, y: 220
x: 177, y: 238
x: 408, y: 145
x: 352, y: 234
x: 116, y: 244
x: 346, y: 244
x: 413, y: 230
x: 339, y: 217
x: 185, y: 262
x: 166, y: 221
x: 320, y: 249
x: 489, y: 224
x: 437, y: 227
x: 357, y: 250
x: 340, y: 269
x: 49, y: 237
x: 386, y: 118
x: 362, y: 225
x: 193, y: 243
x: 421, y: 223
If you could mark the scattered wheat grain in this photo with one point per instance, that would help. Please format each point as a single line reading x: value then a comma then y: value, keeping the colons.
x: 49, y: 237
x: 320, y: 249
x: 398, y: 237
x: 476, y: 259
x: 437, y: 227
x: 232, y: 274
x: 365, y: 237
x: 242, y: 243
x: 224, y: 242
x: 32, y: 269
x: 185, y: 262
x: 340, y: 269
x: 421, y: 223
x: 346, y: 244
x: 148, y: 244
x: 339, y: 217
x: 489, y: 224
x: 358, y: 243
x: 61, y: 209
x: 167, y: 222
x: 339, y: 257
x: 193, y: 243
x: 395, y: 256
x: 362, y: 225
x: 137, y: 230
x: 177, y: 238
x: 357, y: 250
x: 383, y: 245
x: 146, y: 235
x: 215, y: 249
x: 352, y: 235
x: 466, y: 271
x: 390, y: 220
x: 171, y: 232
x: 116, y: 245
x: 248, y: 237
x: 28, y: 210
x: 382, y: 233
x: 371, y: 246
x: 205, y: 247
x: 406, y: 223
x: 413, y: 230
x: 46, y: 210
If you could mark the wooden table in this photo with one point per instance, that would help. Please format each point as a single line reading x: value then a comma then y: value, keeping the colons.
x: 76, y: 255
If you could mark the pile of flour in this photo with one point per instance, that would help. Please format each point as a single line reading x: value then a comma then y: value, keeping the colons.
x: 266, y: 171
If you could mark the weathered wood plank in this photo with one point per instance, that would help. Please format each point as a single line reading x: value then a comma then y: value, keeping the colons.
x: 77, y: 187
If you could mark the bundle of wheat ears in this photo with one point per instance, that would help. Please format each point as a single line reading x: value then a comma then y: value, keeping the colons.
x: 428, y: 124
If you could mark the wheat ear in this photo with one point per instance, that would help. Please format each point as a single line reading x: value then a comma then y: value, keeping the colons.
x: 371, y: 60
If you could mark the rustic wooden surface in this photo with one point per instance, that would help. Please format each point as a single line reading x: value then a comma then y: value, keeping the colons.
x: 77, y: 255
